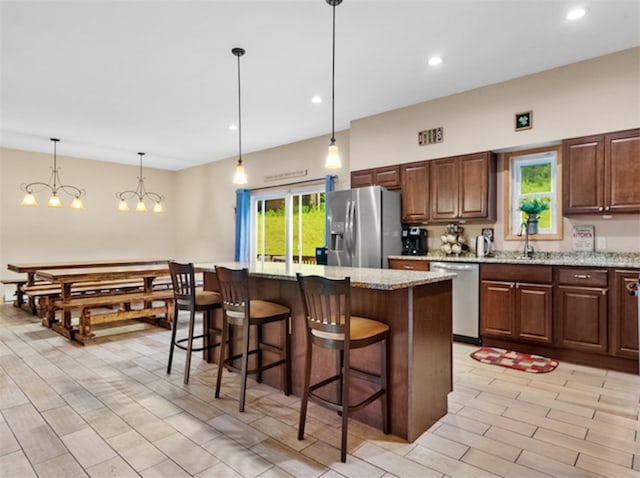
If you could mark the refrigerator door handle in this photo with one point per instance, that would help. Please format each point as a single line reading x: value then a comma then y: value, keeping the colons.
x: 352, y: 239
x: 347, y: 232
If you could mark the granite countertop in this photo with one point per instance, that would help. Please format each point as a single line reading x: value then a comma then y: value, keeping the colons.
x: 593, y: 259
x: 362, y: 277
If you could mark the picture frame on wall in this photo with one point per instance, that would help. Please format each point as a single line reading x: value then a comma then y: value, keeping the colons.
x: 524, y: 120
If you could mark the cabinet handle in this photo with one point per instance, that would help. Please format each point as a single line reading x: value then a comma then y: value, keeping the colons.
x: 600, y: 208
x: 512, y: 286
x: 408, y: 267
x: 582, y: 276
x: 604, y: 291
x: 606, y: 208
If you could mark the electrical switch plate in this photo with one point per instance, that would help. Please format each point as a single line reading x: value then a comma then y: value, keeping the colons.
x: 601, y: 243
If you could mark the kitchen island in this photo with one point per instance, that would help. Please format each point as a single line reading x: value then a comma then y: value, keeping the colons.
x: 415, y: 305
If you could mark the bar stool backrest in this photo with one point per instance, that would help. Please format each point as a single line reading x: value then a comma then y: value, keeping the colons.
x: 234, y: 288
x: 184, y: 284
x: 327, y: 305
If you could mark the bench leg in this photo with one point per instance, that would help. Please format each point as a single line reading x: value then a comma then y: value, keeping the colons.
x: 84, y: 334
x: 19, y: 301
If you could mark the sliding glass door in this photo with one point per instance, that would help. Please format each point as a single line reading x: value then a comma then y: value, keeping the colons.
x: 287, y: 225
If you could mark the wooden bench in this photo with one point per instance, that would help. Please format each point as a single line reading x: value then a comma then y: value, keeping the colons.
x: 45, y: 293
x: 85, y: 303
x: 18, y: 283
x: 19, y: 294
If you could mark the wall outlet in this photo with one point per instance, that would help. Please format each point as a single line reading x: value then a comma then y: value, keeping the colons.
x: 601, y: 243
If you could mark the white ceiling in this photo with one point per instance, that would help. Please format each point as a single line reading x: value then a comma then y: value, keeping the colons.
x: 111, y: 78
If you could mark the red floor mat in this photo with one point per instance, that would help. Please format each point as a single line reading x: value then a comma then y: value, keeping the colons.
x: 515, y: 360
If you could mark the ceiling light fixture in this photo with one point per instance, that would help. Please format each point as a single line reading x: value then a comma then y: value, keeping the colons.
x: 333, y: 157
x: 576, y: 13
x: 435, y: 60
x: 316, y: 100
x: 54, y: 200
x: 240, y: 177
x: 141, y: 193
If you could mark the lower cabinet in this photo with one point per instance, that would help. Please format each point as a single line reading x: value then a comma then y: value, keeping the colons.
x: 516, y: 307
x: 581, y: 309
x: 576, y: 313
x: 623, y: 329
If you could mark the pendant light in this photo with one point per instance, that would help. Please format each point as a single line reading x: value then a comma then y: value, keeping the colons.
x: 55, y: 185
x: 240, y: 177
x: 141, y: 193
x: 333, y: 156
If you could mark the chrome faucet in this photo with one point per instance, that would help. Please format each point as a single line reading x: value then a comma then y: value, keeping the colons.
x: 527, y: 253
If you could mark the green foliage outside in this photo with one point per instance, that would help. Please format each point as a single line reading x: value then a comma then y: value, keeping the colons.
x: 536, y: 179
x: 312, y: 231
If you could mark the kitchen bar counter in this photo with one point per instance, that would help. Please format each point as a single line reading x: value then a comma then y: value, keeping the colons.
x: 361, y: 277
x: 415, y: 305
x: 588, y: 259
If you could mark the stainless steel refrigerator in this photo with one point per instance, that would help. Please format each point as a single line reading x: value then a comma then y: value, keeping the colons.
x: 364, y: 226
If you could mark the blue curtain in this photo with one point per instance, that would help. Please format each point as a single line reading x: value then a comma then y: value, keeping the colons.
x: 329, y: 185
x: 242, y: 225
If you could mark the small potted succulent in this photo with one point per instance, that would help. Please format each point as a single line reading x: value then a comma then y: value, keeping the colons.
x: 532, y: 208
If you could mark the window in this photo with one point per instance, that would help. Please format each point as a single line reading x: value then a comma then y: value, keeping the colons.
x: 528, y: 175
x: 288, y: 225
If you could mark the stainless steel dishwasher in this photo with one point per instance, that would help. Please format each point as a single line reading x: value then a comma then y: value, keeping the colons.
x: 466, y: 299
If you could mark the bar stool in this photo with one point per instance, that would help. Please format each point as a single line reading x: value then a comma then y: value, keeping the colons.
x: 330, y: 325
x: 192, y: 299
x: 239, y: 310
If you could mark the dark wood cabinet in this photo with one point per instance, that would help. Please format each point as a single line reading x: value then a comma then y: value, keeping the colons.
x: 576, y: 313
x: 497, y: 308
x: 513, y: 306
x: 623, y: 327
x: 414, y: 178
x: 387, y: 176
x: 581, y: 309
x: 463, y: 187
x: 601, y: 173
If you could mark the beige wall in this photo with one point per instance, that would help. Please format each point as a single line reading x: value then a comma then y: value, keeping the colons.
x: 98, y: 231
x: 595, y: 96
x: 207, y: 202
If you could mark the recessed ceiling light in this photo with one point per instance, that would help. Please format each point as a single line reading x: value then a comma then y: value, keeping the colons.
x: 316, y: 100
x: 576, y: 13
x: 435, y: 60
x: 233, y: 127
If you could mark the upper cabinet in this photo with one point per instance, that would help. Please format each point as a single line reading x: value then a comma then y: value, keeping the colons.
x: 439, y: 190
x: 601, y: 173
x: 415, y: 191
x: 387, y: 176
x: 463, y: 187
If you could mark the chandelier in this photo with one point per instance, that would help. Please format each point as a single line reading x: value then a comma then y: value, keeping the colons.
x: 141, y: 193
x: 54, y: 185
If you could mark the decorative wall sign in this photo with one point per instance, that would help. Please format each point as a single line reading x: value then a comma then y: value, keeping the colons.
x: 431, y: 136
x: 583, y: 238
x: 524, y: 120
x: 287, y: 175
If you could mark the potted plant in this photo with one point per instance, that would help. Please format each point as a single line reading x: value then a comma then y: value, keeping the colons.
x: 532, y: 208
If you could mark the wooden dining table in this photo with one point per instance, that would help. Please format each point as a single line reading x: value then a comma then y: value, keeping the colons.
x: 68, y: 278
x: 30, y: 269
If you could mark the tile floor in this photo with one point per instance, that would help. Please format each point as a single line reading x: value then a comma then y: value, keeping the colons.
x: 109, y: 409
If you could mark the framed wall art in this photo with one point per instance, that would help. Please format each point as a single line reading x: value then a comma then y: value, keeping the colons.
x: 524, y: 120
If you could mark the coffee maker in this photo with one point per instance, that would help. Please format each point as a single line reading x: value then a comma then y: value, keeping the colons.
x: 414, y: 241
